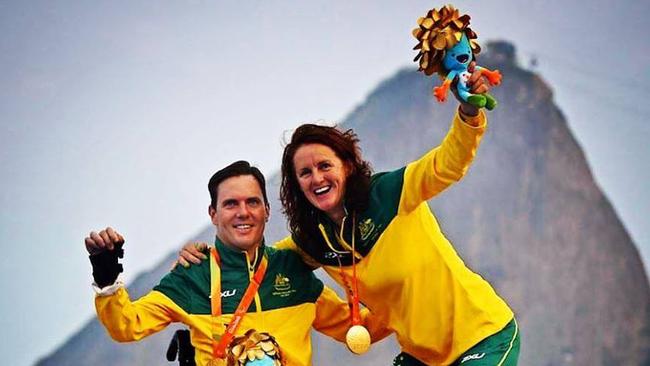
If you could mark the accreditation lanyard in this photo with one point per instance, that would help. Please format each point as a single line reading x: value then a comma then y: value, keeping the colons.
x: 221, y: 341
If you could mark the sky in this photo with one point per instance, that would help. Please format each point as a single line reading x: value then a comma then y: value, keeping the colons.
x: 117, y: 113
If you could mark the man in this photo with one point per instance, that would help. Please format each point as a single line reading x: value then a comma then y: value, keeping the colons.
x: 289, y: 301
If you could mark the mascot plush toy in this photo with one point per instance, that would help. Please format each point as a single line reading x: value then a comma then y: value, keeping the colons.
x: 446, y: 46
x: 254, y: 349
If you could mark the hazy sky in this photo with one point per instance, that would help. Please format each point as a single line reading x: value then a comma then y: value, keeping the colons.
x: 116, y: 113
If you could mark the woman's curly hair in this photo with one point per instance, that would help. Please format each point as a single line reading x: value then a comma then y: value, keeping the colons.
x: 302, y: 215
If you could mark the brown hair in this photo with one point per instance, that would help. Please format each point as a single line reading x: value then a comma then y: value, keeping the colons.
x: 302, y: 215
x: 235, y: 169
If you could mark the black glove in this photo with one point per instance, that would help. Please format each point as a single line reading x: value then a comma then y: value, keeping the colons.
x: 105, y: 265
x: 181, y: 346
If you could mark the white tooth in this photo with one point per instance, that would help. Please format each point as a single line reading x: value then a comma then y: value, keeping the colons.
x: 321, y: 190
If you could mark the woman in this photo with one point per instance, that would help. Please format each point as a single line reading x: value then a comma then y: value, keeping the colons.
x: 376, y: 236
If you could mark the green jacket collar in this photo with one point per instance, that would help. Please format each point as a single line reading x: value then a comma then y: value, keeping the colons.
x: 333, y: 230
x: 233, y: 257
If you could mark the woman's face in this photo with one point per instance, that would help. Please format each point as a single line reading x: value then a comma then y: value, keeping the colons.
x: 322, y: 177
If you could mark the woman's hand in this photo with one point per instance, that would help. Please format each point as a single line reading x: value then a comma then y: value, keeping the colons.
x: 477, y: 85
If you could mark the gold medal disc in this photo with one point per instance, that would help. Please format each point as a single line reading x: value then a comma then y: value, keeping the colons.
x: 358, y: 339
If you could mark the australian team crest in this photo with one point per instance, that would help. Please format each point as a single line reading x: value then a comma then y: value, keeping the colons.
x: 366, y: 227
x: 282, y: 283
x: 282, y: 286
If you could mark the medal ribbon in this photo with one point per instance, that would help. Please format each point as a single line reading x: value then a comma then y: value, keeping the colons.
x: 352, y: 289
x: 220, y: 342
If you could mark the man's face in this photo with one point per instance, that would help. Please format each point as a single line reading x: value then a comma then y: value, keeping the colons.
x: 240, y: 213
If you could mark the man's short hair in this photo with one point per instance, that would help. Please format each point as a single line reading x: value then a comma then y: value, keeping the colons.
x: 235, y: 169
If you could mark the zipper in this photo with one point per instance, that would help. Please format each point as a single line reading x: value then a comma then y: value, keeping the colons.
x: 250, y: 267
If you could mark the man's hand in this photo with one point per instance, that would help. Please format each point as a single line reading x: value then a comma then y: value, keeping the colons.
x: 105, y: 248
x: 191, y: 253
x: 476, y: 84
x: 105, y: 240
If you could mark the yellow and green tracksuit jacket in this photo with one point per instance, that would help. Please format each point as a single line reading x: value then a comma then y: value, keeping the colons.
x: 289, y: 302
x: 409, y: 274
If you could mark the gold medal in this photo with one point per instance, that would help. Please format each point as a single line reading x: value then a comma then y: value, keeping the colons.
x: 358, y: 339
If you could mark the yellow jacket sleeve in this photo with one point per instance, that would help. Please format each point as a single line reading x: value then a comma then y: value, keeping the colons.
x: 128, y: 321
x: 376, y: 326
x: 333, y: 318
x: 288, y: 243
x: 442, y: 166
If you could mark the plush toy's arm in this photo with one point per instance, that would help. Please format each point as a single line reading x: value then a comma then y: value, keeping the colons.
x: 493, y: 77
x: 440, y: 92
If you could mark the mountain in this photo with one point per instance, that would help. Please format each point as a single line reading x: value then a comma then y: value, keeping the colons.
x: 528, y: 217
